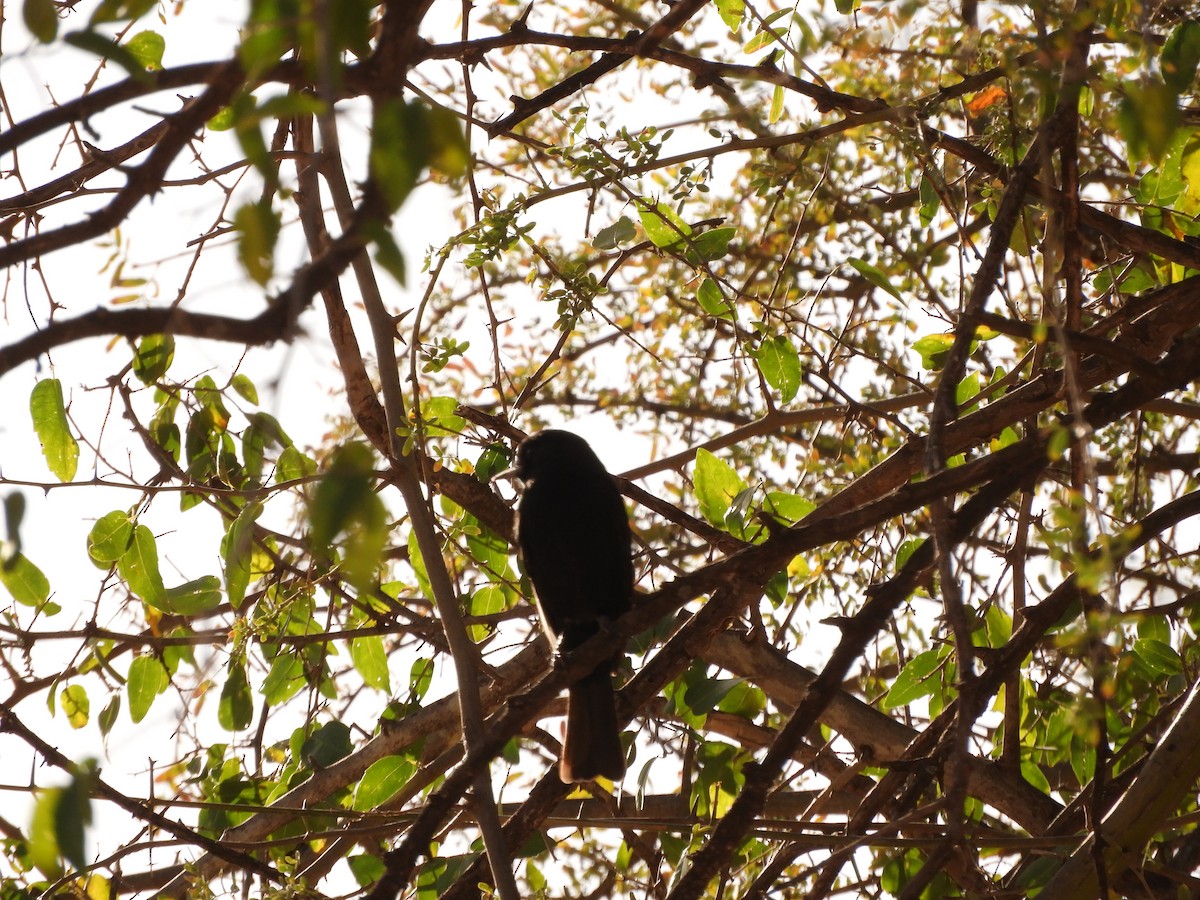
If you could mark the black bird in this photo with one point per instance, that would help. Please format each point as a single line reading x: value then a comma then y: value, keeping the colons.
x: 573, y: 534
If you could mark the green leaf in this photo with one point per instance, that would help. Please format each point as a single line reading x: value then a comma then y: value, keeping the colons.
x: 370, y: 660
x: 245, y: 388
x: 494, y: 459
x: 106, y: 48
x: 703, y: 697
x: 915, y: 680
x: 165, y: 432
x: 50, y: 423
x: 662, y: 225
x: 933, y: 349
x: 709, y: 246
x: 147, y: 48
x: 1006, y: 438
x: 713, y: 301
x: 906, y: 550
x: 153, y: 357
x: 400, y: 149
x: 258, y: 227
x: 420, y: 677
x: 967, y: 389
x: 388, y: 254
x: 175, y: 654
x: 677, y: 692
x: 138, y: 566
x: 110, y: 537
x: 1158, y: 655
x: 620, y: 232
x: 790, y: 508
x: 121, y: 10
x: 440, y: 415
x: 238, y: 552
x: 327, y: 745
x: 108, y: 716
x: 26, y: 583
x: 224, y: 120
x: 766, y: 35
x: 449, y: 154
x: 266, y: 37
x: 41, y: 18
x: 43, y: 834
x: 367, y: 869
x: 1033, y: 773
x: 345, y: 503
x: 716, y: 485
x: 1181, y: 56
x: 247, y: 127
x: 931, y: 201
x: 744, y: 700
x: 1154, y: 628
x: 147, y: 679
x: 194, y: 598
x: 491, y: 599
x: 780, y: 365
x: 418, y: 565
x: 731, y: 12
x: 777, y: 98
x: 1189, y: 170
x: 998, y: 626
x: 75, y: 705
x: 383, y: 779
x: 1148, y: 117
x: 349, y: 24
x: 874, y: 275
x: 236, y: 709
x: 293, y: 464
x: 213, y: 416
x: 342, y: 490
x: 284, y: 680
x: 60, y: 819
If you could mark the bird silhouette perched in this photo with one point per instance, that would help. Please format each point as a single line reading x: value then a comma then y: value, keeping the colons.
x: 573, y: 535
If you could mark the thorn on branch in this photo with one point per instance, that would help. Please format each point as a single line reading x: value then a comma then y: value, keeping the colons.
x: 520, y: 104
x: 521, y: 26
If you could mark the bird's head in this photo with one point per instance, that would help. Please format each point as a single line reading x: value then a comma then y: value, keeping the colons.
x: 555, y: 452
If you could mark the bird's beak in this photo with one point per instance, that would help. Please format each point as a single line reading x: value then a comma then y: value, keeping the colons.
x: 507, y: 475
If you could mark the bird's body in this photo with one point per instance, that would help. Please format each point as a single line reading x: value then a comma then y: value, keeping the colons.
x: 574, y: 538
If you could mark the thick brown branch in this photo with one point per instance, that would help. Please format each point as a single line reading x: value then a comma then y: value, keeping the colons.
x: 267, y: 327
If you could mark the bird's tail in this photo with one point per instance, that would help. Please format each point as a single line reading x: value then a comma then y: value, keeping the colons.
x: 592, y: 745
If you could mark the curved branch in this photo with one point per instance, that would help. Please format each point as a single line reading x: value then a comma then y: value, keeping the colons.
x: 267, y: 327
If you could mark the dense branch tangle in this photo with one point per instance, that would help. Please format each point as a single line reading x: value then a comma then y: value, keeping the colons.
x: 903, y: 364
